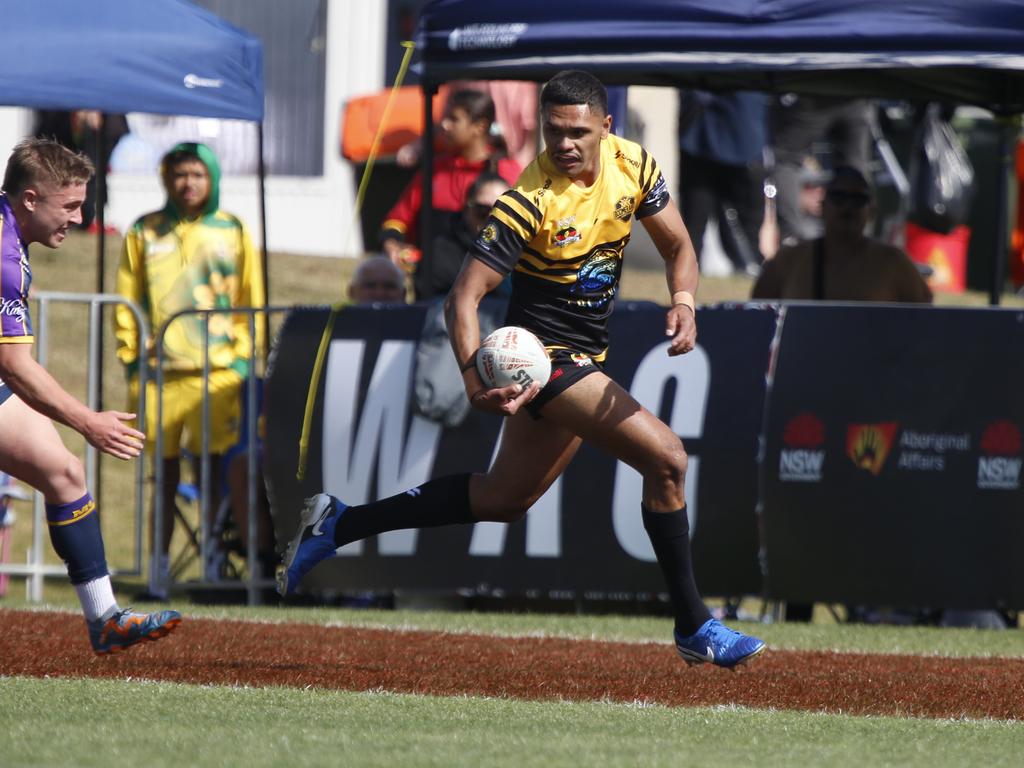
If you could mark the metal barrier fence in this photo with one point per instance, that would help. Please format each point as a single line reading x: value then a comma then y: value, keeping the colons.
x: 254, y: 581
x: 35, y: 569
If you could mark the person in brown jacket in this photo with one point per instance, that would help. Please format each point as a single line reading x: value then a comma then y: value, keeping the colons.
x: 845, y: 264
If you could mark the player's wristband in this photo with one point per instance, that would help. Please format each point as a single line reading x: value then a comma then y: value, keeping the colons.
x: 471, y: 363
x: 684, y: 298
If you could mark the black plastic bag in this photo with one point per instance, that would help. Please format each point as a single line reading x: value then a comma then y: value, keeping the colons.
x: 941, y: 175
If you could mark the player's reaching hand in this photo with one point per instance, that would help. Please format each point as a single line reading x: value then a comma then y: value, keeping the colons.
x: 504, y: 401
x: 108, y: 432
x: 681, y: 325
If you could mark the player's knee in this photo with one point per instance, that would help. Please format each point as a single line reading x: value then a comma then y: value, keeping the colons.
x: 74, y: 472
x: 669, y: 465
x: 65, y: 479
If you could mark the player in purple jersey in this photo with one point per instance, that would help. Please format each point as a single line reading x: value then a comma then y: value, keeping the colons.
x: 42, y: 195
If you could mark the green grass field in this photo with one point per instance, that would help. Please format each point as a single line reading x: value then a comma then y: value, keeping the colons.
x: 117, y: 723
x: 129, y: 722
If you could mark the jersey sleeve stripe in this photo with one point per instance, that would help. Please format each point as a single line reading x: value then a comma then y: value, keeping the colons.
x: 526, y: 205
x: 546, y: 276
x: 514, y: 221
x: 652, y: 180
x: 644, y: 178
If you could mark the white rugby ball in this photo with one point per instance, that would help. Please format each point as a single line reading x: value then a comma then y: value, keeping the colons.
x: 513, y: 355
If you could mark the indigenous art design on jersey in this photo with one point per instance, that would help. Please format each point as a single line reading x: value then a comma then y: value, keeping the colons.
x: 563, y: 243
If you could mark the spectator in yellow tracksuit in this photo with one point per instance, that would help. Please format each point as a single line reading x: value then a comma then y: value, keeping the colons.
x: 189, y: 255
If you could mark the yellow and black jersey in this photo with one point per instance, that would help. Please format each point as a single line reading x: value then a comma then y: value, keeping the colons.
x: 563, y: 243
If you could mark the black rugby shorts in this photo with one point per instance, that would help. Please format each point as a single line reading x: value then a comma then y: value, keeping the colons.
x: 567, y: 367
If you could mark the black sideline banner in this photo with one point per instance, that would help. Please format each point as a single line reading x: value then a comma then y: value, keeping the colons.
x: 585, y: 536
x: 892, y: 471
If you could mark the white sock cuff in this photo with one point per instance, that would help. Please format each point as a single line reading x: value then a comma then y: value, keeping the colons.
x: 97, y: 598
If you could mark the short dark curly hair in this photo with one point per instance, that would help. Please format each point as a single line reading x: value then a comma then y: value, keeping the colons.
x: 574, y: 86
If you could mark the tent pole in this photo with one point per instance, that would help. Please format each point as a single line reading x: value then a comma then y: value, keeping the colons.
x: 263, y: 243
x: 427, y: 171
x: 100, y: 201
x: 1007, y: 129
x: 101, y: 250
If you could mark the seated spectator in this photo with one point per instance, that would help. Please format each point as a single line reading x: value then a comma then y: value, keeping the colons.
x: 377, y: 279
x: 466, y: 125
x: 796, y: 124
x: 189, y: 255
x: 845, y: 264
x: 437, y: 270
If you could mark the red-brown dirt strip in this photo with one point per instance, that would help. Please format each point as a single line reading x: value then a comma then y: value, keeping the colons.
x: 216, y: 652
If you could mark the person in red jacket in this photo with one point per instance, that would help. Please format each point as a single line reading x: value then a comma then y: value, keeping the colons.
x: 466, y: 125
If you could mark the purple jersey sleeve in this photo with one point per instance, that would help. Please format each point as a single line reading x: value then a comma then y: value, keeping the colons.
x: 15, y: 279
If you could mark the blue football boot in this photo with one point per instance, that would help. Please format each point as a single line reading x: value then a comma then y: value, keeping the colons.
x: 313, y: 542
x: 715, y: 643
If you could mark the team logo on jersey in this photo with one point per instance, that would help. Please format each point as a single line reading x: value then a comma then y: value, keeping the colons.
x: 868, y: 445
x: 597, y: 279
x: 489, y: 234
x: 624, y: 208
x: 566, y: 236
x: 580, y: 359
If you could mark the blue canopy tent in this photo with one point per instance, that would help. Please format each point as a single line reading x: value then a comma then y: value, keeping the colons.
x: 919, y: 50
x: 160, y: 56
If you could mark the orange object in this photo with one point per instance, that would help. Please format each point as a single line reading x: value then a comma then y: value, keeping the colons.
x: 945, y: 254
x: 363, y: 116
x: 1017, y: 235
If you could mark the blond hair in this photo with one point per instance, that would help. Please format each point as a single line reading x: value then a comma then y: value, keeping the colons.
x: 39, y: 160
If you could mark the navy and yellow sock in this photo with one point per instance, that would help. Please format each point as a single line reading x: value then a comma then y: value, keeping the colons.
x: 76, y: 537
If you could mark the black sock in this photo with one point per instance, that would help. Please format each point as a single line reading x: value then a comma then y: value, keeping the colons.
x: 670, y: 534
x: 444, y: 501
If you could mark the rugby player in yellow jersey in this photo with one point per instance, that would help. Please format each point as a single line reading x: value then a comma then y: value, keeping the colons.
x: 561, y: 233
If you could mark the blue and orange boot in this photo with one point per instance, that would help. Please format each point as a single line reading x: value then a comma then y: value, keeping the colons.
x: 313, y: 542
x: 124, y: 629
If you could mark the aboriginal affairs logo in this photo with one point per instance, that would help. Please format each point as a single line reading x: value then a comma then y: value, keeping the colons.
x: 565, y: 236
x: 625, y: 207
x: 868, y: 445
x: 802, y: 457
x: 1000, y: 463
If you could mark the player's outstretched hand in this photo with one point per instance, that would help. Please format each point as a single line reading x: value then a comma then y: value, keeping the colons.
x: 108, y: 432
x: 504, y: 401
x: 681, y: 325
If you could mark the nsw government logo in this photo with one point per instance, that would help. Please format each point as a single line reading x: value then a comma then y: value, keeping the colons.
x: 999, y: 466
x: 802, y: 458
